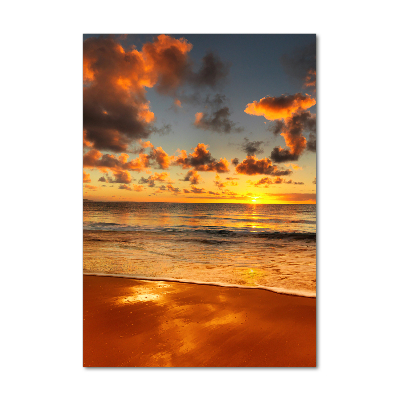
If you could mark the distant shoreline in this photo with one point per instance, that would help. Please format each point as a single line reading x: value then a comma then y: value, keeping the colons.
x: 203, y: 202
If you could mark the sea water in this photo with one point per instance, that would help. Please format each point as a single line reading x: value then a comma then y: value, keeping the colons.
x: 247, y: 245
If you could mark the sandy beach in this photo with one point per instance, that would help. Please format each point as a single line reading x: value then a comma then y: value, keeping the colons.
x: 136, y: 323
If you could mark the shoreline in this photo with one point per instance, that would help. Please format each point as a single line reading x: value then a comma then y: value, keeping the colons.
x: 219, y: 284
x: 153, y: 323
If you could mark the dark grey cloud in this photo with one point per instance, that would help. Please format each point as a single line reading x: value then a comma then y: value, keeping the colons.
x: 253, y: 166
x: 276, y: 127
x: 215, y: 102
x: 212, y: 71
x: 280, y: 155
x: 194, y: 189
x: 216, y: 116
x: 301, y: 64
x: 218, y: 121
x: 312, y: 142
x: 252, y: 148
x: 165, y: 129
x: 120, y: 177
x: 235, y: 161
x: 147, y: 181
x: 124, y: 187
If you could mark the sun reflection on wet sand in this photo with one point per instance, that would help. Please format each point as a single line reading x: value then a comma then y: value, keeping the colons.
x: 148, y: 293
x: 177, y: 321
x: 182, y: 325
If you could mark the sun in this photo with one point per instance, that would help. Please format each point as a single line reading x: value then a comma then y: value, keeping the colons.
x: 254, y: 199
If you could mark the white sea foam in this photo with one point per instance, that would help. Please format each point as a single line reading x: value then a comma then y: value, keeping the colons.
x: 301, y: 293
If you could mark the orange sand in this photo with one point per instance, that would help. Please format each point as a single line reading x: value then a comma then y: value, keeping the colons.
x: 135, y: 323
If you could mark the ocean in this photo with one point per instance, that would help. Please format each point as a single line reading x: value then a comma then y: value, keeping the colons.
x: 246, y: 245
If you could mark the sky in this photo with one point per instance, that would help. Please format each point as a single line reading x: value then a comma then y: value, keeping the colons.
x: 199, y: 118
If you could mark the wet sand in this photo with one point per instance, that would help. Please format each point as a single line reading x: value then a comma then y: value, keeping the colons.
x: 136, y: 323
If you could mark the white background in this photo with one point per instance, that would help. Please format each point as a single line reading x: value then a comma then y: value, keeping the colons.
x: 358, y: 220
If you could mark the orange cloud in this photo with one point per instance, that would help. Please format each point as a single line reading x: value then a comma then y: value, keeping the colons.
x: 172, y: 189
x: 201, y: 160
x: 294, y: 166
x: 198, y: 118
x: 272, y: 108
x: 121, y: 177
x: 296, y: 144
x: 139, y: 164
x: 221, y: 185
x: 136, y: 188
x: 167, y: 61
x: 91, y: 187
x: 291, y: 120
x: 108, y: 162
x: 265, y: 182
x: 115, y: 108
x: 193, y: 177
x: 218, y: 182
x: 86, y: 177
x: 161, y: 177
x: 292, y: 132
x: 162, y: 159
x: 86, y: 142
x: 145, y: 114
x: 194, y: 189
